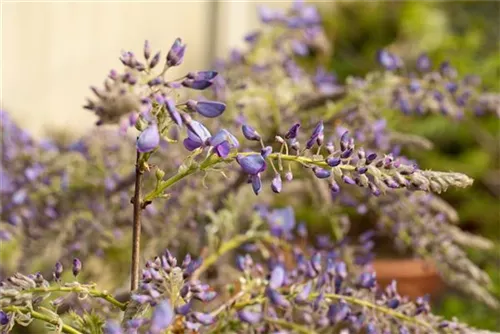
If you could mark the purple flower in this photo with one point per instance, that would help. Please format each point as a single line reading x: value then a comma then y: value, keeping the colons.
x: 223, y: 142
x: 256, y: 183
x: 77, y: 266
x: 303, y: 296
x: 338, y: 312
x: 196, y: 84
x: 266, y: 151
x: 112, y: 327
x: 202, y: 75
x: 317, y: 136
x: 163, y: 315
x: 183, y: 309
x: 276, y: 184
x: 333, y: 161
x: 292, y: 133
x: 423, y: 63
x: 198, y: 135
x: 204, y: 318
x: 172, y: 111
x: 176, y: 53
x: 252, y: 164
x: 4, y: 318
x: 210, y: 109
x: 321, y: 173
x: 299, y: 48
x: 281, y: 221
x: 387, y: 60
x: 58, y: 270
x: 149, y: 139
x: 249, y: 317
x: 277, y: 277
x: 250, y: 133
x: 276, y: 298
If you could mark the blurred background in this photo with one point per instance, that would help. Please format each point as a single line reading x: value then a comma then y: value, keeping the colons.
x: 52, y: 51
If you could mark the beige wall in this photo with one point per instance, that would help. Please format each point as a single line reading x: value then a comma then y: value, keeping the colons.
x: 52, y: 52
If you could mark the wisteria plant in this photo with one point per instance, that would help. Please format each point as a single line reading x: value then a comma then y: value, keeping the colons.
x: 207, y: 174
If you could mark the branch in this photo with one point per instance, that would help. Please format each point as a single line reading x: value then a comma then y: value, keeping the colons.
x: 43, y: 317
x: 78, y: 289
x: 136, y: 234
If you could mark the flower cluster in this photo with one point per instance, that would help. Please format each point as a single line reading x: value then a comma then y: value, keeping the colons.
x: 341, y: 154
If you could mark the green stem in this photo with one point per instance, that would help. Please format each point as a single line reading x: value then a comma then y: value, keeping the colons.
x: 378, y: 308
x: 234, y: 243
x: 213, y: 160
x: 353, y: 301
x: 77, y: 289
x: 43, y: 317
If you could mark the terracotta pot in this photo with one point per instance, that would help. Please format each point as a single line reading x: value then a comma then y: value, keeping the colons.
x: 415, y: 277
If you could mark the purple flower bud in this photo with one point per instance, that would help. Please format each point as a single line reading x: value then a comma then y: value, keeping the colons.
x: 245, y: 315
x: 317, y: 136
x: 341, y: 269
x: 163, y: 316
x: 205, y: 296
x: 292, y: 133
x: 346, y: 154
x: 367, y: 280
x: 276, y: 298
x: 387, y: 60
x: 303, y: 296
x: 183, y: 309
x: 250, y: 133
x: 361, y: 170
x: 348, y: 180
x: 210, y: 109
x: 289, y: 176
x: 172, y: 111
x: 256, y: 183
x: 299, y: 48
x: 147, y: 50
x: 344, y: 141
x: 77, y: 266
x: 176, y: 53
x: 252, y: 164
x: 149, y: 139
x: 266, y: 151
x: 277, y: 277
x: 192, y: 267
x: 370, y: 158
x: 196, y: 84
x: 4, y: 318
x: 423, y: 63
x: 112, y: 327
x: 204, y: 318
x: 302, y: 230
x: 393, y: 303
x: 58, y: 270
x: 333, y: 161
x: 276, y: 184
x: 316, y: 261
x: 321, y: 173
x: 338, y: 312
x: 186, y: 261
x: 155, y: 60
x: 202, y: 75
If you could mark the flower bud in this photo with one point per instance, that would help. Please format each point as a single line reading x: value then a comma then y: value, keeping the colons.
x: 250, y: 133
x: 159, y: 174
x: 149, y: 139
x: 276, y: 184
x: 176, y: 53
x: 58, y: 270
x: 77, y: 266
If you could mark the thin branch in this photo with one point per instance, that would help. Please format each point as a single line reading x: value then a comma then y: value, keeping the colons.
x: 78, y: 289
x: 43, y: 317
x: 136, y: 234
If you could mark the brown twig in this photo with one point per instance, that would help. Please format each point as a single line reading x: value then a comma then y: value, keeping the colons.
x: 136, y: 236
